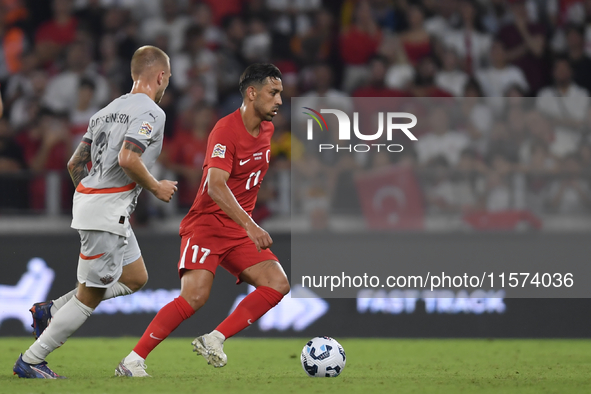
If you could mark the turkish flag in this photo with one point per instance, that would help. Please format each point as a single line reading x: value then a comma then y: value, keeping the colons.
x: 391, y: 199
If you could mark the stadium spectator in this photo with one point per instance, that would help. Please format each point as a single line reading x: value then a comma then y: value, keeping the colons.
x: 222, y: 9
x: 424, y: 82
x: 446, y: 194
x: 90, y: 17
x: 19, y: 84
x: 81, y: 114
x: 12, y: 44
x: 469, y: 42
x: 323, y: 86
x: 256, y: 46
x: 376, y: 86
x: 502, y: 143
x: 11, y: 155
x: 230, y: 63
x: 477, y: 116
x: 565, y: 104
x: 571, y: 194
x: 358, y: 43
x: 23, y: 110
x: 441, y: 140
x: 538, y: 169
x: 495, y: 15
x: 525, y: 42
x: 497, y: 78
x: 13, y: 190
x: 416, y: 40
x: 579, y: 60
x: 185, y: 153
x: 400, y: 73
x: 451, y: 78
x: 201, y: 15
x: 497, y: 194
x: 60, y: 95
x: 46, y: 146
x: 196, y: 61
x: 318, y: 42
x: 53, y: 35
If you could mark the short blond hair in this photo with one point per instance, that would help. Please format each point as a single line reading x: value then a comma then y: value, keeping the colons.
x: 147, y: 57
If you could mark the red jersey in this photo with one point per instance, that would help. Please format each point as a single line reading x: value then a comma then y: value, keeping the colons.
x: 233, y: 149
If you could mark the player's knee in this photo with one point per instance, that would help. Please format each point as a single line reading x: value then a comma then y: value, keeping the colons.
x: 138, y: 282
x: 197, y: 298
x: 281, y: 284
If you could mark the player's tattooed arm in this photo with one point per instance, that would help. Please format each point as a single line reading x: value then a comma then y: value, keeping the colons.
x: 131, y: 163
x: 77, y: 163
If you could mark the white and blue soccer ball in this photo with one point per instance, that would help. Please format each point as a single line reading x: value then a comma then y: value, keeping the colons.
x: 323, y: 357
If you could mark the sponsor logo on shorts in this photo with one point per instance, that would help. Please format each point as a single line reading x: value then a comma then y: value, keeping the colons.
x: 107, y: 279
x: 145, y: 129
x: 219, y: 150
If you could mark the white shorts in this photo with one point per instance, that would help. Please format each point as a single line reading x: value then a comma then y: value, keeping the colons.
x: 103, y: 256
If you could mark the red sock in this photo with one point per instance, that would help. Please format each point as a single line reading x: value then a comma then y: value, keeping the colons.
x: 165, y: 322
x: 250, y: 309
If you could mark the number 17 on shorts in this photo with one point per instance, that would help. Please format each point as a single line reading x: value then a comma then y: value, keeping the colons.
x: 194, y: 256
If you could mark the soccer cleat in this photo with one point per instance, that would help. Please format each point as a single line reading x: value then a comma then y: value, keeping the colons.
x: 211, y: 348
x: 34, y: 371
x: 132, y: 369
x: 41, y: 312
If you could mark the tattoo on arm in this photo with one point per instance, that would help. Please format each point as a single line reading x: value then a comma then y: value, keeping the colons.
x: 128, y: 145
x: 77, y: 164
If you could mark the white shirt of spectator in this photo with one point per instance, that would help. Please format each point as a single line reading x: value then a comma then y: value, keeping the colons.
x: 571, y: 201
x: 399, y: 76
x: 452, y: 81
x: 449, y: 145
x: 573, y: 105
x: 479, y: 45
x: 61, y: 94
x: 495, y: 81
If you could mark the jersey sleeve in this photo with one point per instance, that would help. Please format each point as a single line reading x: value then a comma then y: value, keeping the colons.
x: 145, y: 129
x: 221, y: 149
x: 87, y: 138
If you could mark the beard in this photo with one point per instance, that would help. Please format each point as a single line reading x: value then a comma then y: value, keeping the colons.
x: 265, y: 115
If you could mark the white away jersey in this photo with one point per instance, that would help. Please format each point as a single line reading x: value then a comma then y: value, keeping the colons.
x: 105, y: 198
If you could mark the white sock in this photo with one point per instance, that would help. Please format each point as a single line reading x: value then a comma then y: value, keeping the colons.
x: 118, y: 289
x: 218, y: 334
x: 133, y: 356
x: 68, y: 319
x: 60, y: 302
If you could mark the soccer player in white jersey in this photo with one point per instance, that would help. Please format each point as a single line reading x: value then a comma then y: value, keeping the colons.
x: 123, y: 141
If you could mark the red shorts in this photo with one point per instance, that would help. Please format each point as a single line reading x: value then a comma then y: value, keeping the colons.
x: 207, y: 247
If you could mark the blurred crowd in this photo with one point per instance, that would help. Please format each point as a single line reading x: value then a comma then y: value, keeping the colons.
x: 61, y: 60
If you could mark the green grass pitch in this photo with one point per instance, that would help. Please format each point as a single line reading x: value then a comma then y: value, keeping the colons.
x: 273, y: 366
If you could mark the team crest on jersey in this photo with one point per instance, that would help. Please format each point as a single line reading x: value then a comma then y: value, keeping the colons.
x: 219, y: 150
x: 146, y: 129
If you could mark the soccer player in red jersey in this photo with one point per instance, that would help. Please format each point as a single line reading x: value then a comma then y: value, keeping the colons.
x: 219, y: 230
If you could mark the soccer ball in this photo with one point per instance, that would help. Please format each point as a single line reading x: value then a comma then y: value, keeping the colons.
x: 323, y: 357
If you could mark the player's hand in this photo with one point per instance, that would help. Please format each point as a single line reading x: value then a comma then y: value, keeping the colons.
x: 261, y: 238
x: 165, y: 190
